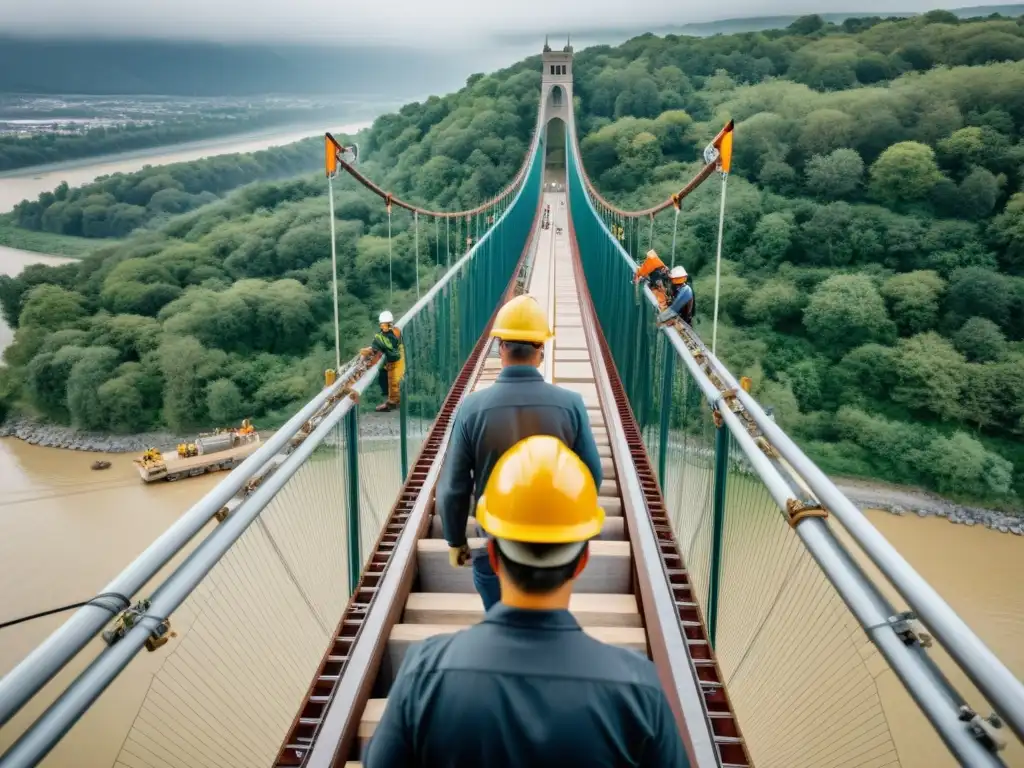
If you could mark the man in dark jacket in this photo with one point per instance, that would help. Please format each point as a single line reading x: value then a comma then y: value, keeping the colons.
x: 519, y: 404
x: 527, y: 688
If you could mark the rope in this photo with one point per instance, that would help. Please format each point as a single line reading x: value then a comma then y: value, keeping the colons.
x: 94, y: 601
x: 391, y: 280
x: 416, y: 236
x: 675, y: 228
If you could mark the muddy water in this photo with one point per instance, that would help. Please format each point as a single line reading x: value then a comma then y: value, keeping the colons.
x: 28, y: 183
x: 65, y: 532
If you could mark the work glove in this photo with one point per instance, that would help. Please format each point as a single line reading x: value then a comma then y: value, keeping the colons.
x: 459, y: 557
x: 366, y: 351
x: 666, y: 315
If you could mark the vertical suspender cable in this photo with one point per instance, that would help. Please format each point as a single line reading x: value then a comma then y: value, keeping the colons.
x: 437, y: 242
x: 650, y: 238
x: 334, y: 270
x: 718, y: 264
x: 391, y: 280
x: 675, y: 228
x: 416, y: 238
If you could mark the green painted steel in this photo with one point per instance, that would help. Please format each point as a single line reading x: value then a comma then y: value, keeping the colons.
x: 717, y: 529
x: 438, y: 336
x: 667, y: 369
x: 352, y: 449
x: 403, y: 431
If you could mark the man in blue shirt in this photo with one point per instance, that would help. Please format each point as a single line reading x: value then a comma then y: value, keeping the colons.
x: 519, y: 404
x: 526, y: 687
x: 682, y: 303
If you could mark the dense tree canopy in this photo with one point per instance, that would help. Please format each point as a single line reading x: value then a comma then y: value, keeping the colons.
x: 874, y: 237
x: 873, y: 283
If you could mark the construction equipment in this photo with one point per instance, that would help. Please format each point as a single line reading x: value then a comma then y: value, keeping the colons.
x: 220, y: 450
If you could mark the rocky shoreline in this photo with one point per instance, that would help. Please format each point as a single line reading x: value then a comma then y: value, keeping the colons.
x: 866, y: 495
x: 371, y: 425
x: 898, y: 501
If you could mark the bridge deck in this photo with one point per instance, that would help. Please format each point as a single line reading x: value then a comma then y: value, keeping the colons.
x: 604, y: 602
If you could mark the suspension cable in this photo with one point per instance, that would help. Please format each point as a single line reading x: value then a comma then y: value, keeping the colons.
x: 391, y: 280
x: 416, y: 237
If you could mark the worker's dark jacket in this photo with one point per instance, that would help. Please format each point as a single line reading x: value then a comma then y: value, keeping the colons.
x: 518, y: 405
x: 525, y: 689
x: 389, y: 344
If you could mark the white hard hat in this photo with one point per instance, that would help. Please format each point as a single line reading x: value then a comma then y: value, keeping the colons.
x: 386, y: 317
x: 677, y: 272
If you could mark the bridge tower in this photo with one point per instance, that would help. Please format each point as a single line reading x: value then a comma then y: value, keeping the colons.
x: 556, y: 82
x: 557, y: 113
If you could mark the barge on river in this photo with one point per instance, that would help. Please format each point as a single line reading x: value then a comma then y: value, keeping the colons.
x: 221, y: 450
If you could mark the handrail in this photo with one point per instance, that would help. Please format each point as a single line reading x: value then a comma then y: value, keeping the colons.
x: 672, y: 650
x: 41, y: 665
x: 931, y: 691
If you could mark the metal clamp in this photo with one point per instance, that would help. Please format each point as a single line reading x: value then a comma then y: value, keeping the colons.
x: 987, y: 730
x: 129, y: 617
x: 909, y: 629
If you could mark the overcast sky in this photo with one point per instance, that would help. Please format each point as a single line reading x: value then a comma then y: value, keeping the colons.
x: 430, y: 23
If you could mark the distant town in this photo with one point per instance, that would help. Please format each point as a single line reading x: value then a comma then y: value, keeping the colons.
x: 29, y: 115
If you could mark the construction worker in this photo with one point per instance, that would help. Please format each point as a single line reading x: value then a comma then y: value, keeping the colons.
x: 526, y: 687
x: 489, y: 422
x: 389, y: 345
x: 654, y: 272
x: 682, y: 299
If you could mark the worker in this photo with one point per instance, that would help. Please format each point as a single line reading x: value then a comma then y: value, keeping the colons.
x: 519, y: 404
x: 682, y: 302
x: 527, y: 687
x: 388, y: 344
x: 654, y: 272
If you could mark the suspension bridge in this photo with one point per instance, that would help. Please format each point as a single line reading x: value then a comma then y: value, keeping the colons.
x: 279, y: 607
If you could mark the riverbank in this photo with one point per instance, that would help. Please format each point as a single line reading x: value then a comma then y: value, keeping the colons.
x: 896, y: 500
x: 371, y: 425
x: 47, y: 243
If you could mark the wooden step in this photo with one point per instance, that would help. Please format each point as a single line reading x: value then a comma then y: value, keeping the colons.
x: 463, y: 609
x: 614, y: 528
x: 609, y: 569
x: 608, y: 488
x: 404, y: 636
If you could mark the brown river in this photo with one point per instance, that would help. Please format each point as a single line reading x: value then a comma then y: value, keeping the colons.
x: 66, y: 530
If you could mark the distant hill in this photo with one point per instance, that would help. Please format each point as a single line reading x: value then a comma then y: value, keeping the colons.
x: 593, y: 36
x: 161, y: 67
x: 164, y: 67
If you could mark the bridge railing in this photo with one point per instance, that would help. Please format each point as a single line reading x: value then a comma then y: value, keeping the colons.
x: 806, y: 641
x: 255, y: 603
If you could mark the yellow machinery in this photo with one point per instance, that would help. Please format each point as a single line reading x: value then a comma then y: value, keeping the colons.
x: 187, y: 450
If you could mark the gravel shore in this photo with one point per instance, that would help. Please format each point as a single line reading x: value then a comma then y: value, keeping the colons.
x: 371, y: 425
x: 898, y: 500
x: 865, y: 494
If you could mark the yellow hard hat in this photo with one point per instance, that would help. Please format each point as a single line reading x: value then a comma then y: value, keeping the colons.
x: 522, y: 319
x: 540, y: 492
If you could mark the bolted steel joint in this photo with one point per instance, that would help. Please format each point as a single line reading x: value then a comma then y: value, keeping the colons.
x: 909, y: 629
x: 986, y: 730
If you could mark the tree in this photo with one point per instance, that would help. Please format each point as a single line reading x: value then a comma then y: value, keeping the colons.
x: 91, y: 370
x: 1007, y: 232
x: 773, y: 236
x: 774, y: 302
x: 905, y: 173
x: 52, y: 307
x: 846, y: 311
x: 913, y: 299
x: 835, y: 175
x: 978, y: 193
x: 930, y: 375
x: 980, y: 341
x: 960, y: 464
x: 224, y: 401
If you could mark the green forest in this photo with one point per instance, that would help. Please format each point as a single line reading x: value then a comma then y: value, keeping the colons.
x: 20, y: 152
x: 874, y: 242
